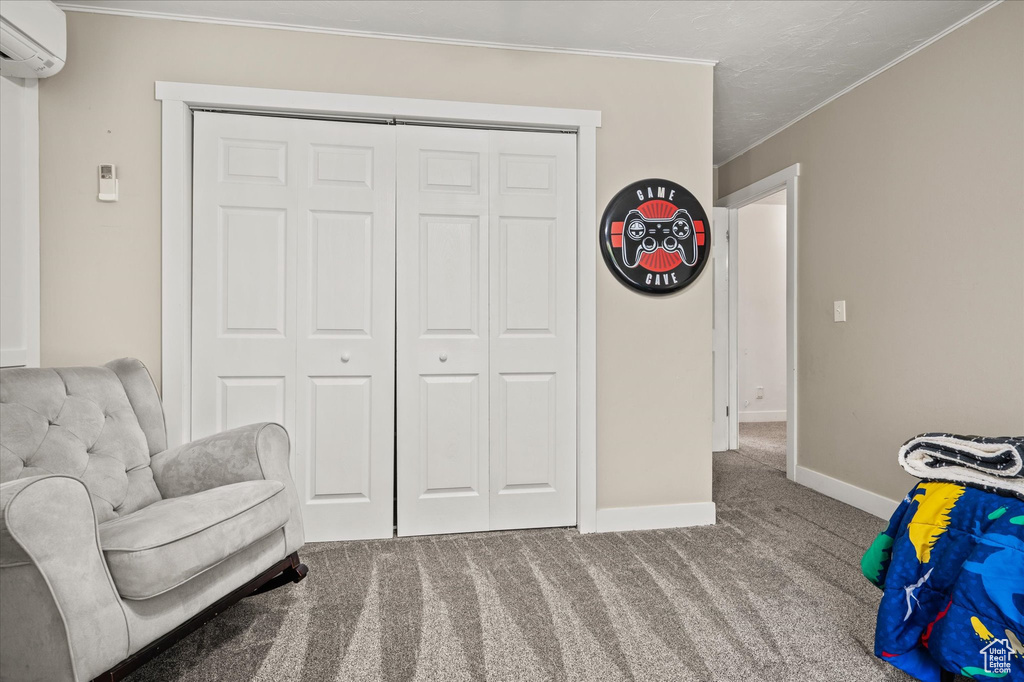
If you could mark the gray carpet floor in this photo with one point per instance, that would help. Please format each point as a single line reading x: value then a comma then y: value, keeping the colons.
x: 764, y: 442
x: 772, y: 592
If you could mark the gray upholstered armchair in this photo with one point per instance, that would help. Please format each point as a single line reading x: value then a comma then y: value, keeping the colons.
x: 113, y: 546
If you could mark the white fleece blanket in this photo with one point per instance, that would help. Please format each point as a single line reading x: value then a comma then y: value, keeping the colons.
x: 988, y: 463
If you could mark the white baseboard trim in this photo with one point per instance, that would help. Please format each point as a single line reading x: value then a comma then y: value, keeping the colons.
x: 872, y: 503
x: 616, y: 519
x: 762, y: 416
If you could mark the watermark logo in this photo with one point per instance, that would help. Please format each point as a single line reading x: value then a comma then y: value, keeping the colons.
x: 997, y: 655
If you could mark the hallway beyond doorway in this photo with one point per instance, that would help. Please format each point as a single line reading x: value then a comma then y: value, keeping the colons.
x: 764, y: 442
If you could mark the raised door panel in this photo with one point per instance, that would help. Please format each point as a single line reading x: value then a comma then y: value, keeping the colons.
x: 449, y: 275
x: 342, y: 165
x: 253, y: 161
x: 253, y: 270
x: 526, y: 438
x: 341, y: 270
x: 249, y: 400
x: 449, y: 171
x: 449, y: 435
x: 528, y: 291
x: 530, y: 174
x: 341, y: 443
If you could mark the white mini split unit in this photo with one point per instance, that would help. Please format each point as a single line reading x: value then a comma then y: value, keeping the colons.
x: 33, y: 38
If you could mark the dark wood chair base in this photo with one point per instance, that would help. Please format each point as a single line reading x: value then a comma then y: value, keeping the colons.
x: 292, y: 574
x: 288, y: 570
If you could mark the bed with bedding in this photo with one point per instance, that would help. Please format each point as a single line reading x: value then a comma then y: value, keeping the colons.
x: 951, y: 564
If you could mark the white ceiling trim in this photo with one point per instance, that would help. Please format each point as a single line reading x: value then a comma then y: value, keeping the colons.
x: 865, y: 79
x: 143, y: 14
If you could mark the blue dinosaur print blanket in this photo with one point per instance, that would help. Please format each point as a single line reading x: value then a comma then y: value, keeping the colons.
x: 951, y: 568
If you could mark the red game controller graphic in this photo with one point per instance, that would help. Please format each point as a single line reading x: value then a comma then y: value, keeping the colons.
x: 673, y: 235
x: 654, y: 236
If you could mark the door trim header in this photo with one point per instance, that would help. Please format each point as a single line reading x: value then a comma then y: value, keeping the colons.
x: 198, y: 95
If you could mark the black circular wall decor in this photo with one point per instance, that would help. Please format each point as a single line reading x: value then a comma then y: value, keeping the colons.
x: 655, y: 236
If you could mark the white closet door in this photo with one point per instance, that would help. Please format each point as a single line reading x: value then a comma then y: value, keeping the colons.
x: 245, y: 172
x: 532, y: 330
x: 486, y: 330
x: 346, y: 331
x: 293, y: 304
x: 442, y: 330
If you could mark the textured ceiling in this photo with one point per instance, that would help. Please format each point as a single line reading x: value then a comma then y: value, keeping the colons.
x: 777, y: 60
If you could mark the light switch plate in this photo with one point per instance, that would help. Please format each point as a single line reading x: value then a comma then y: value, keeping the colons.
x: 839, y: 311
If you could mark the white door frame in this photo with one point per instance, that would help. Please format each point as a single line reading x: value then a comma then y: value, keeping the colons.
x: 178, y: 101
x: 785, y: 179
x: 720, y: 331
x: 25, y: 172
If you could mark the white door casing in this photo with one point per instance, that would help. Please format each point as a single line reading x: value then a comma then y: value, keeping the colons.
x: 179, y: 101
x: 294, y: 232
x: 720, y: 328
x: 786, y: 179
x: 486, y: 355
x: 19, y: 222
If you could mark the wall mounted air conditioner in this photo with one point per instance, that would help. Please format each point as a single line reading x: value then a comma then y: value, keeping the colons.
x: 33, y: 38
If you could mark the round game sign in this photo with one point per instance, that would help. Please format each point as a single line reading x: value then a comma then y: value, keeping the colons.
x: 655, y: 236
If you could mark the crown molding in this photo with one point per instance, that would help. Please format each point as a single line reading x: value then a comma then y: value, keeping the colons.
x: 143, y: 14
x: 969, y: 18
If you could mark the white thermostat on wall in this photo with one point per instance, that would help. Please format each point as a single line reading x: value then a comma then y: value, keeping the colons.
x: 108, y: 182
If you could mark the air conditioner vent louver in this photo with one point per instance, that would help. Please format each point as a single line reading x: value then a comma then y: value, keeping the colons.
x: 33, y: 38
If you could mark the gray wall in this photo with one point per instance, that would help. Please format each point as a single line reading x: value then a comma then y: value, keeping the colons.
x: 101, y: 262
x: 911, y: 208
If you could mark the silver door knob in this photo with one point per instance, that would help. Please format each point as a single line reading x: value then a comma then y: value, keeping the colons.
x: 345, y: 357
x: 443, y: 357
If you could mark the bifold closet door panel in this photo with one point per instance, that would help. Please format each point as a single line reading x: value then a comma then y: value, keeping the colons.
x: 244, y: 228
x: 293, y: 304
x: 532, y: 330
x: 346, y: 331
x: 442, y: 330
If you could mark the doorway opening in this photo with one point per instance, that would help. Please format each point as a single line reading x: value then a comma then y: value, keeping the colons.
x: 761, y: 332
x: 755, y: 358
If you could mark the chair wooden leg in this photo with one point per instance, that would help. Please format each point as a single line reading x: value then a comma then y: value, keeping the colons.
x: 946, y: 676
x: 299, y: 573
x: 294, y: 573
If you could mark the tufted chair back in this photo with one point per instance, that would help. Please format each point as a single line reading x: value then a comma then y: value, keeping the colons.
x: 97, y: 424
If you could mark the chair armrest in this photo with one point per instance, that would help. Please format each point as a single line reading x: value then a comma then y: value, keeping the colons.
x: 249, y: 453
x: 62, y: 618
